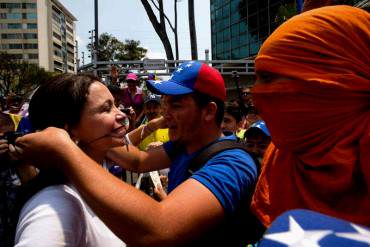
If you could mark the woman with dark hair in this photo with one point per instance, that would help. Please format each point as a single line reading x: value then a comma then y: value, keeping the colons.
x: 56, y: 215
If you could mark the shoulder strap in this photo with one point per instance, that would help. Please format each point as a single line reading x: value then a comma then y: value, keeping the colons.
x: 215, y: 148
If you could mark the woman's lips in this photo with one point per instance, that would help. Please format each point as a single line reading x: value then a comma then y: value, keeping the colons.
x: 119, y: 132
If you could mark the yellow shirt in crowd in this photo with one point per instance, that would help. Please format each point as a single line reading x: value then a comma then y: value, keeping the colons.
x: 160, y: 135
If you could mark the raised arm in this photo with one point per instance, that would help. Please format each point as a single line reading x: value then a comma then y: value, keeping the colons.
x: 132, y: 159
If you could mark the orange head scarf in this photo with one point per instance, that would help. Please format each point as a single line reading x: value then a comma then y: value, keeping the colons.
x: 319, y: 118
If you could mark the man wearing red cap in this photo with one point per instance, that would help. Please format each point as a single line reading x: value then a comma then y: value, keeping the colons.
x: 208, y: 207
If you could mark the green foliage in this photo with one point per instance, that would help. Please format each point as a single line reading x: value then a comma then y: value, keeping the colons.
x: 110, y: 48
x: 133, y: 51
x: 20, y: 77
x: 285, y: 12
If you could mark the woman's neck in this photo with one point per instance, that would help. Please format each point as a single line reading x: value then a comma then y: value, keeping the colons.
x: 97, y: 155
x: 132, y: 90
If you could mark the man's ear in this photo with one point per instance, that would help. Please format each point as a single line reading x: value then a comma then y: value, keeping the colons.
x: 210, y: 111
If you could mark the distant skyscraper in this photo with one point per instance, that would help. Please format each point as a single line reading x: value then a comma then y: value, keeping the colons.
x: 239, y: 27
x: 39, y: 31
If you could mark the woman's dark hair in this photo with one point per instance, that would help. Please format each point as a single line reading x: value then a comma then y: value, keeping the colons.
x: 202, y: 100
x: 54, y: 104
x: 59, y: 102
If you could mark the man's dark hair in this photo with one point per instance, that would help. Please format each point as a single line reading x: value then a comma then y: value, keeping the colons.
x: 202, y: 100
x: 234, y: 111
x: 59, y: 102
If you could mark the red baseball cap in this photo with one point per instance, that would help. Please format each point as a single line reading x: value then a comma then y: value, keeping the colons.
x: 189, y: 77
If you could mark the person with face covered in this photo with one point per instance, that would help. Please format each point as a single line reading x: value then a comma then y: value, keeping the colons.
x: 312, y: 90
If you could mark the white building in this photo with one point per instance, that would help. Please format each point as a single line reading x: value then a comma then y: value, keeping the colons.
x: 39, y: 31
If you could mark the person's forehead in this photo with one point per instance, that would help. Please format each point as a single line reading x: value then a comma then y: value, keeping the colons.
x: 229, y: 116
x: 152, y: 104
x: 97, y: 92
x: 178, y: 98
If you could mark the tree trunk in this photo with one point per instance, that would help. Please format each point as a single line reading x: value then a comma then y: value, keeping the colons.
x: 193, y: 34
x: 159, y: 27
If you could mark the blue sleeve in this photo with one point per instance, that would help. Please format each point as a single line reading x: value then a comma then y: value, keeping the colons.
x: 230, y: 176
x: 168, y: 146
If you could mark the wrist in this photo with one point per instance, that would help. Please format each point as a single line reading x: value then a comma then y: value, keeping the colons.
x: 150, y: 127
x: 155, y: 123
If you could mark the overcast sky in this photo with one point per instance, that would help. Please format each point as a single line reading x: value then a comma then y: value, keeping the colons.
x: 127, y: 19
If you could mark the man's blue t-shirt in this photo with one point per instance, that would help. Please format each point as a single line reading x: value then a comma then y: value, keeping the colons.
x: 229, y: 175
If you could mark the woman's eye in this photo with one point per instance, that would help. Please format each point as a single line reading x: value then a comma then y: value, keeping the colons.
x: 107, y: 107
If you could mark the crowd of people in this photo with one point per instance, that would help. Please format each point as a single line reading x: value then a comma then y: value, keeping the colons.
x: 224, y: 173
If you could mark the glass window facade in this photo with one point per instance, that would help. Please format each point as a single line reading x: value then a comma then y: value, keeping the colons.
x: 18, y: 5
x: 14, y: 26
x: 31, y: 25
x: 10, y: 5
x: 30, y: 16
x: 11, y: 16
x: 239, y: 27
x: 30, y: 46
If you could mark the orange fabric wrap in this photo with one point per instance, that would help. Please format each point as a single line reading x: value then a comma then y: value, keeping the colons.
x: 320, y: 119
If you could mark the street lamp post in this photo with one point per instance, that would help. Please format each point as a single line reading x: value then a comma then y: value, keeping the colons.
x: 96, y: 24
x: 93, y: 51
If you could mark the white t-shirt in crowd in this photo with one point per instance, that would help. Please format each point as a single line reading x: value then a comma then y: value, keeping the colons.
x: 57, y: 216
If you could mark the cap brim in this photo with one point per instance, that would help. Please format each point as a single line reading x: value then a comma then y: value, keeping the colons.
x: 152, y: 100
x: 259, y: 129
x: 167, y: 88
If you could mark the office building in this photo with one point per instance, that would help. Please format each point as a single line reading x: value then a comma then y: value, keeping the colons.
x: 239, y: 27
x: 39, y: 31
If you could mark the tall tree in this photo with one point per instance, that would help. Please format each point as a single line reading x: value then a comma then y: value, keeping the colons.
x: 133, y: 51
x: 285, y: 12
x: 159, y: 25
x: 110, y: 48
x: 192, y: 30
x: 20, y: 77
